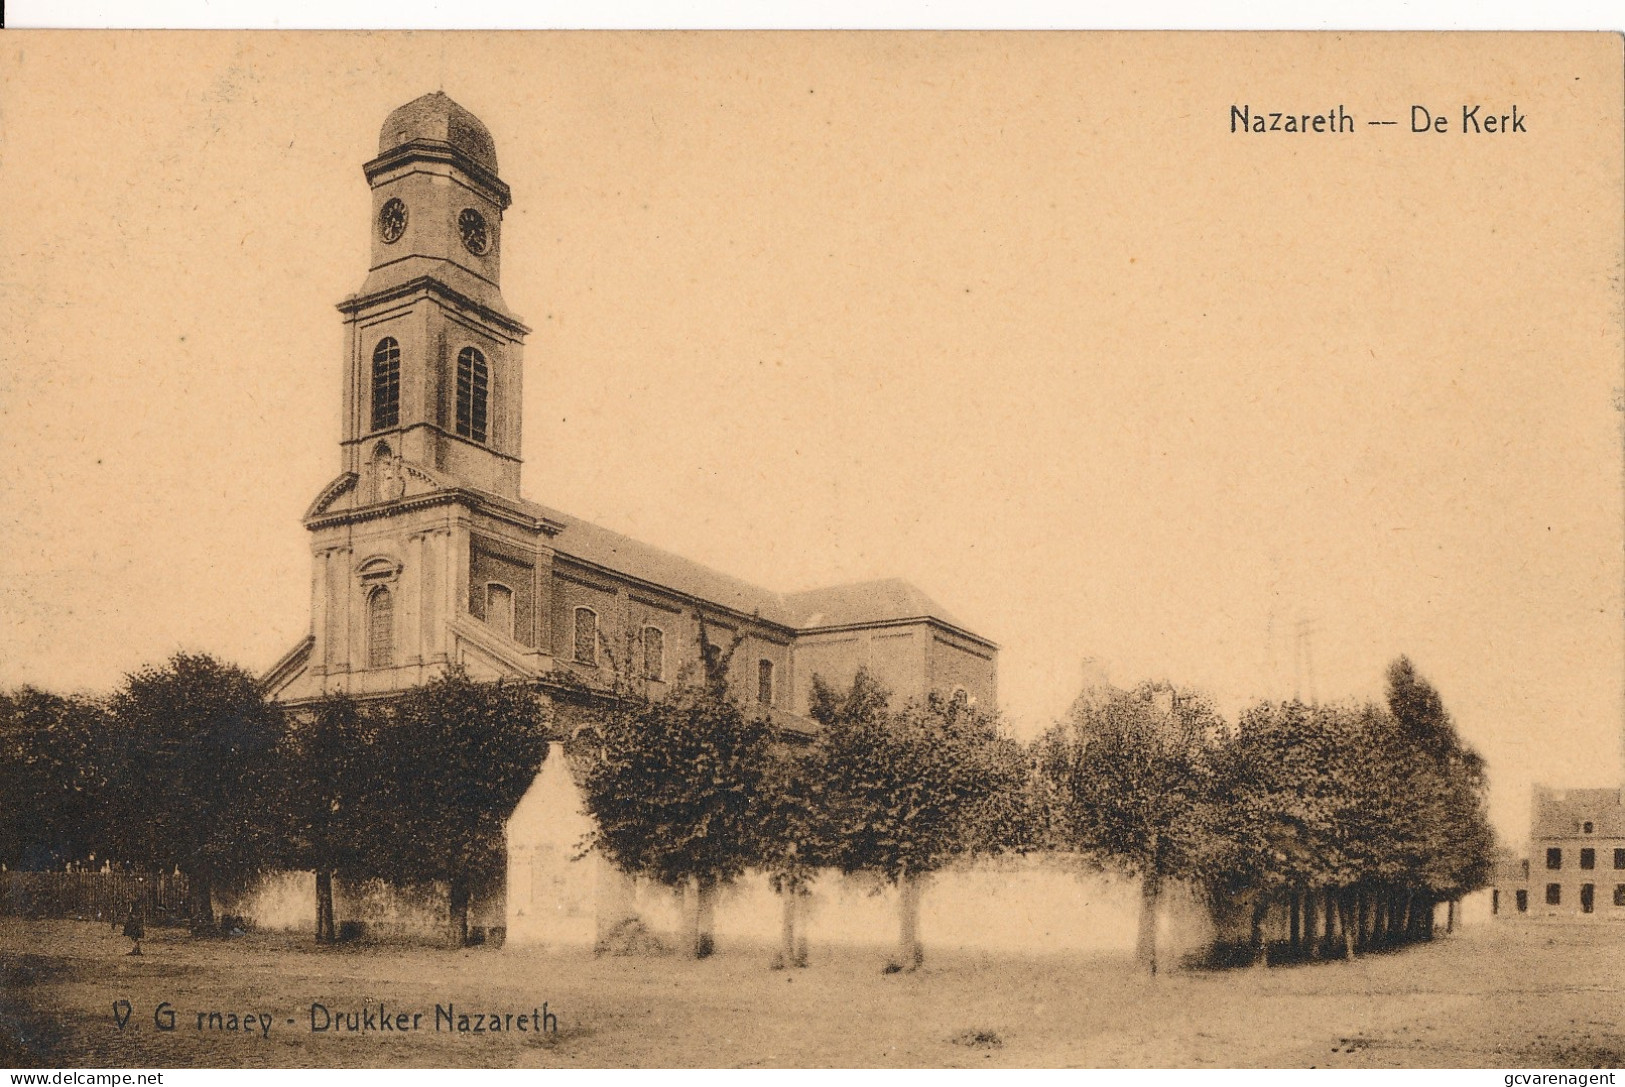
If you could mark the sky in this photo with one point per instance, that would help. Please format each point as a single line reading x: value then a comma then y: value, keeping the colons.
x: 1015, y: 317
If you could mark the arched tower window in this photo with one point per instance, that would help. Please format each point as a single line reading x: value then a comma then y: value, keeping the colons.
x: 380, y: 628
x: 473, y: 393
x: 386, y: 384
x: 499, y: 607
x: 586, y: 636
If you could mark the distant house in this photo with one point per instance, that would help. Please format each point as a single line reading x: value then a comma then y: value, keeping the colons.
x: 1576, y: 862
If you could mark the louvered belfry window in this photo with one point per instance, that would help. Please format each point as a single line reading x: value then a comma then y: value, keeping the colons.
x: 473, y: 393
x: 386, y: 384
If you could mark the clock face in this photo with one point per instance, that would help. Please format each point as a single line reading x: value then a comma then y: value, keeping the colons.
x: 471, y: 225
x: 392, y: 220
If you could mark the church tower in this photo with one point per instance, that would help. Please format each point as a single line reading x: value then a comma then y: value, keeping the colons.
x: 434, y: 355
x: 423, y: 555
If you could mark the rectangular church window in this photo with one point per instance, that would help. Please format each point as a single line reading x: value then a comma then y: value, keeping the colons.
x: 764, y: 682
x: 499, y: 608
x: 586, y: 636
x: 654, y: 653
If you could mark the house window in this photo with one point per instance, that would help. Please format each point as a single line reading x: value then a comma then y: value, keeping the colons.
x: 473, y: 393
x: 1588, y: 897
x: 1588, y: 858
x: 386, y: 383
x: 380, y: 628
x: 1619, y: 894
x: 1585, y: 828
x: 654, y: 653
x: 499, y: 608
x: 1554, y: 894
x: 764, y: 682
x: 1523, y: 901
x: 1619, y: 858
x: 586, y: 636
x: 1554, y: 859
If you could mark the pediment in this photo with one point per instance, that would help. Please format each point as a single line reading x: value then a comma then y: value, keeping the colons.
x: 337, y: 495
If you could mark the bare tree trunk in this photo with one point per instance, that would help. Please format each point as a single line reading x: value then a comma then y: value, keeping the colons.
x: 1310, y: 943
x: 1261, y: 944
x: 324, y: 907
x: 1350, y: 918
x: 1450, y: 916
x: 702, y: 918
x: 201, y: 886
x: 457, y: 895
x: 801, y: 928
x: 910, y: 952
x: 1145, y: 942
x: 691, y: 918
x: 787, y: 929
x: 1294, y: 931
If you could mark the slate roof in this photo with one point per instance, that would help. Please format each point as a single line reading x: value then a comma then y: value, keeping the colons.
x: 1561, y: 813
x: 885, y: 600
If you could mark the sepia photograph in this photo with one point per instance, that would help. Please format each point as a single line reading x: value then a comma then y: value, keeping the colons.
x: 812, y: 550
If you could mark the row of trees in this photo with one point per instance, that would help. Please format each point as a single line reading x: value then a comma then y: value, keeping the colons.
x: 1354, y: 820
x: 692, y: 792
x: 188, y: 767
x: 1361, y: 816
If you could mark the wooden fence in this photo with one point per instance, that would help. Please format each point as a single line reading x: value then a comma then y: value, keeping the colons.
x: 93, y: 896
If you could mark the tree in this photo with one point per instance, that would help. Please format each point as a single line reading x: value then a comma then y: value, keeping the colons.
x: 1458, y: 843
x: 1298, y: 807
x: 454, y: 758
x: 1374, y: 813
x: 911, y: 790
x: 671, y: 790
x: 188, y: 748
x: 329, y: 787
x: 791, y: 839
x: 1127, y: 777
x: 51, y: 763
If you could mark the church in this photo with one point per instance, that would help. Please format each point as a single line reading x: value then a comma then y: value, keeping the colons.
x: 426, y: 555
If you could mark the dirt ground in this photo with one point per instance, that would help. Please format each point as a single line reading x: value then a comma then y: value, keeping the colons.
x: 1497, y: 996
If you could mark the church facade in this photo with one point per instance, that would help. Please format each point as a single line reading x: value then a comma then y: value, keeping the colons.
x: 425, y: 553
x: 427, y: 557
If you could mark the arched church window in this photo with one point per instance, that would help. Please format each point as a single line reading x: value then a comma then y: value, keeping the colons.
x: 473, y: 393
x: 380, y: 628
x: 764, y: 682
x: 386, y: 384
x: 654, y: 653
x: 499, y: 607
x: 586, y: 636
